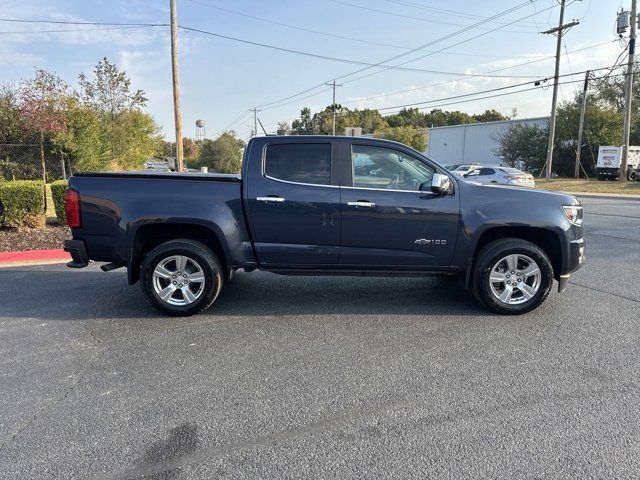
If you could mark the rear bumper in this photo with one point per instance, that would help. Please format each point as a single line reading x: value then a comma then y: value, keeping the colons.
x: 78, y: 253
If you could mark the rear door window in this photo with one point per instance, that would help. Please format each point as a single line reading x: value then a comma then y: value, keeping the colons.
x: 299, y: 163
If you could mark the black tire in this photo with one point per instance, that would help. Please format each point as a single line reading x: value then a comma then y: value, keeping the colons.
x: 490, y: 256
x: 632, y: 175
x: 197, y: 252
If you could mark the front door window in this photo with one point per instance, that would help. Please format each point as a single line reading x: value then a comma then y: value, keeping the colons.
x: 386, y: 169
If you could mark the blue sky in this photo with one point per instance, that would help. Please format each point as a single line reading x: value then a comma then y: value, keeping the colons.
x: 221, y: 79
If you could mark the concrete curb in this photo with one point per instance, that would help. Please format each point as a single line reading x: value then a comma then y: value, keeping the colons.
x: 33, y: 257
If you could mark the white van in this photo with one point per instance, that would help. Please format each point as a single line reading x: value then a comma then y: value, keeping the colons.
x: 609, y: 158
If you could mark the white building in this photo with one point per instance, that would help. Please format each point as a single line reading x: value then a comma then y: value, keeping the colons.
x: 472, y: 142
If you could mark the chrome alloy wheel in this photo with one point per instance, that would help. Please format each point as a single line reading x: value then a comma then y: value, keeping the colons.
x: 515, y: 279
x: 178, y: 280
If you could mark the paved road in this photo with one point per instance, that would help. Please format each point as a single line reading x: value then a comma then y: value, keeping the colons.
x: 325, y: 377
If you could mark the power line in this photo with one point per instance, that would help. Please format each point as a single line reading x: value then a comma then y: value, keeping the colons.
x: 445, y: 48
x: 330, y: 35
x: 412, y: 17
x: 437, y: 40
x: 68, y: 30
x: 273, y: 47
x: 453, y: 13
x: 443, y: 82
x: 537, y: 87
x: 338, y: 59
x: 73, y: 22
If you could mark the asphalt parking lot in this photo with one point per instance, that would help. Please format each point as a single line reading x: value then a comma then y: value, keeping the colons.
x: 296, y: 377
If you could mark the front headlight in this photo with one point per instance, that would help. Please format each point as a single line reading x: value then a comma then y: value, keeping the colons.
x: 573, y: 213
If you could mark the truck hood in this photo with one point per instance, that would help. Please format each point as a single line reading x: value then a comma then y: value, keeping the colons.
x: 517, y: 194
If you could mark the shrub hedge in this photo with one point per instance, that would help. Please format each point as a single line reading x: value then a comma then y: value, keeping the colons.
x: 22, y: 203
x: 57, y: 192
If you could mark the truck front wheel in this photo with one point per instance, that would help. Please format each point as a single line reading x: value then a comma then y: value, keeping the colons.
x: 512, y: 276
x: 181, y: 277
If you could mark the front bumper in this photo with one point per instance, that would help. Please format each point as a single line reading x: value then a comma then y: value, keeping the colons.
x: 78, y: 253
x: 575, y: 261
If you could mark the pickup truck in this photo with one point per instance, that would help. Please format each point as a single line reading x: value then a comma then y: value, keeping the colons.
x: 322, y: 205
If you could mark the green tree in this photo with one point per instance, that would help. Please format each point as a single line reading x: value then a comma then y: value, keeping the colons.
x: 42, y: 102
x: 137, y: 139
x: 602, y: 126
x: 128, y: 135
x: 523, y: 143
x: 489, y: 116
x: 12, y: 127
x: 408, y: 117
x: 304, y: 125
x: 413, y: 137
x: 190, y: 147
x: 83, y: 139
x: 222, y: 155
x: 110, y: 89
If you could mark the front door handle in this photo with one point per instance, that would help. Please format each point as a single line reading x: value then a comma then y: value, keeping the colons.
x: 361, y: 203
x: 270, y: 199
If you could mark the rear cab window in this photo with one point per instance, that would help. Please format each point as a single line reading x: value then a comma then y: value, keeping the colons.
x: 308, y: 163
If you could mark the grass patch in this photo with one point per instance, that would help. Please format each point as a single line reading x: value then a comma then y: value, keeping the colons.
x: 589, y: 186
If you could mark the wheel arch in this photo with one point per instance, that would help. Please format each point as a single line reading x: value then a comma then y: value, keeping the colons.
x: 148, y: 236
x: 544, y: 238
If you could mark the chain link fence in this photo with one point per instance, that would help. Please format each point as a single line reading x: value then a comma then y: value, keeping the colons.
x: 22, y: 161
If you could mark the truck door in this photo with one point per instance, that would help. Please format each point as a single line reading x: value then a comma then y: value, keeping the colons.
x: 390, y: 217
x: 293, y: 201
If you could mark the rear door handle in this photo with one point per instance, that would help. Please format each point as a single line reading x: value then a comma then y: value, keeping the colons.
x: 270, y: 199
x: 361, y: 203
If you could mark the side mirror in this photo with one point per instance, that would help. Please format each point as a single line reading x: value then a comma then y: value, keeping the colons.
x: 441, y: 184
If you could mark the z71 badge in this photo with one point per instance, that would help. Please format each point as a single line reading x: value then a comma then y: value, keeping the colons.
x: 429, y: 241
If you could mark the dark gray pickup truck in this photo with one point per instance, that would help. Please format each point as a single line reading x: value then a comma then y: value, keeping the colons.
x: 312, y: 205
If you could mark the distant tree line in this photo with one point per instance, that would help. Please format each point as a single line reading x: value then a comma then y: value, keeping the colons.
x: 408, y: 126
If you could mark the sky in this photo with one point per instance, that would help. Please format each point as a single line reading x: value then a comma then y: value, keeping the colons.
x: 221, y: 79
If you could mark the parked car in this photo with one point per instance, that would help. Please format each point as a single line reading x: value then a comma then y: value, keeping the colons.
x: 310, y: 205
x: 462, y: 168
x: 500, y: 176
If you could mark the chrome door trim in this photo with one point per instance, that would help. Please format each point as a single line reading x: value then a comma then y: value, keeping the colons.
x: 270, y: 199
x: 299, y: 183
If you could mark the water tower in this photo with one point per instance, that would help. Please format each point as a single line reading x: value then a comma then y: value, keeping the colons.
x: 201, y: 133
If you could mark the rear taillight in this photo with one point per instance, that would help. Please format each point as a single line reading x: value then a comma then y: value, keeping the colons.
x: 72, y: 207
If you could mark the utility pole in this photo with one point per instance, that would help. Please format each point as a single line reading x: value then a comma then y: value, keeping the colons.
x: 627, y: 95
x: 176, y: 87
x: 334, y: 85
x: 554, y: 100
x: 255, y: 120
x: 583, y: 107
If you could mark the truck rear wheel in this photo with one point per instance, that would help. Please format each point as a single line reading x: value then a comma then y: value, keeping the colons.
x: 512, y: 276
x: 181, y: 277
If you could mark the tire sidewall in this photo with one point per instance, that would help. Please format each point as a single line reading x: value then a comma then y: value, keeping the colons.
x: 483, y: 289
x: 210, y: 268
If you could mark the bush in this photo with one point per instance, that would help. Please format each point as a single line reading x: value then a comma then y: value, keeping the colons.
x: 57, y: 192
x: 22, y: 203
